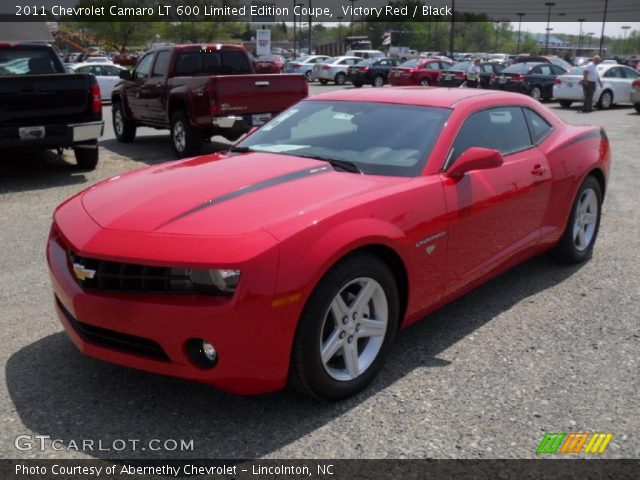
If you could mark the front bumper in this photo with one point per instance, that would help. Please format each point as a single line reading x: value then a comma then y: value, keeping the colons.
x: 55, y: 135
x: 149, y: 331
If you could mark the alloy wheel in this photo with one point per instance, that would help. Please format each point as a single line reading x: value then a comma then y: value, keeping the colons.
x: 586, y: 217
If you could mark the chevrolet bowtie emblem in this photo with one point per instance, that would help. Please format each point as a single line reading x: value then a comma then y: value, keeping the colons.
x: 82, y: 273
x: 430, y: 249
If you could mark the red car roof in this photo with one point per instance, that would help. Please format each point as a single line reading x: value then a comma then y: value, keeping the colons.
x: 423, y: 96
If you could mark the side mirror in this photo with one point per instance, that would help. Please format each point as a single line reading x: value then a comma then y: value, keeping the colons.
x: 125, y: 74
x: 475, y: 158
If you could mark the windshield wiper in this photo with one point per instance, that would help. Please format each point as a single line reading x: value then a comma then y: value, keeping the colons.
x: 344, y: 165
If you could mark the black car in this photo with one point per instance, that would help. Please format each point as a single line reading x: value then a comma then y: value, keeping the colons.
x: 457, y: 75
x: 374, y: 71
x: 534, y: 79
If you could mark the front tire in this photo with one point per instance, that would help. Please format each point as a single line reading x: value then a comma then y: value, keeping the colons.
x: 378, y: 81
x: 346, y: 329
x: 576, y: 244
x: 186, y: 140
x: 124, y: 129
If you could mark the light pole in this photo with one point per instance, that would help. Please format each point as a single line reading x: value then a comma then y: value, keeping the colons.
x: 340, y: 46
x: 310, y: 20
x: 590, y: 35
x: 581, y: 20
x: 294, y: 28
x: 453, y: 12
x: 495, y: 50
x: 604, y: 21
x: 352, y: 7
x: 546, y: 43
x: 520, y: 15
x: 624, y: 39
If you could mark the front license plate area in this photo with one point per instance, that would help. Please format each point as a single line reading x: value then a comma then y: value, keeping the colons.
x: 31, y: 133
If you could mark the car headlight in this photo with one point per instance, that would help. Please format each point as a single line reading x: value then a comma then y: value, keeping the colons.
x: 216, y: 282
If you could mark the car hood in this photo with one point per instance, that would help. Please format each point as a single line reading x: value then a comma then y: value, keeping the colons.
x: 218, y: 195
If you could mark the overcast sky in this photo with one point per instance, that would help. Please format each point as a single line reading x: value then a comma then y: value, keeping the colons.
x: 612, y: 29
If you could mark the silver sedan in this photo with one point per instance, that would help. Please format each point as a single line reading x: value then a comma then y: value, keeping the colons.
x: 333, y: 70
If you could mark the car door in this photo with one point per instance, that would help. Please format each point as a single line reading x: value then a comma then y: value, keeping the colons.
x: 614, y: 80
x: 134, y: 87
x: 496, y: 213
x: 155, y: 87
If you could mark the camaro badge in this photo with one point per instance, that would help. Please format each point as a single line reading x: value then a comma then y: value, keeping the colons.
x: 82, y: 273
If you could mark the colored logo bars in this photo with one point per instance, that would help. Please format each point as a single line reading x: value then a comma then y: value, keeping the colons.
x: 573, y: 443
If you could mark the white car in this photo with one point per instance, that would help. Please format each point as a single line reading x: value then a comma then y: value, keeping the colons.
x: 304, y: 65
x: 364, y: 54
x: 97, y: 60
x: 107, y: 74
x: 616, y: 86
x: 333, y: 70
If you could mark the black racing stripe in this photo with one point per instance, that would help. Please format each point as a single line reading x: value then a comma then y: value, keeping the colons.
x: 289, y: 177
x: 580, y: 138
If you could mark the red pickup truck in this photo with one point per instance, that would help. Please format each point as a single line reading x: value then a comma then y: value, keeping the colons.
x: 198, y: 91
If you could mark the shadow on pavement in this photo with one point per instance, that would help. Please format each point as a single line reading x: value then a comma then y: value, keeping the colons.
x: 152, y: 149
x: 23, y: 170
x: 58, y: 392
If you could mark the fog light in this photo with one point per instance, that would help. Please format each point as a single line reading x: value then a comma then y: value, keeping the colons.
x: 201, y: 353
x: 209, y: 351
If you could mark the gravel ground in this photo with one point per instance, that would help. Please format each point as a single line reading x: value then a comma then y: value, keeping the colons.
x: 542, y: 348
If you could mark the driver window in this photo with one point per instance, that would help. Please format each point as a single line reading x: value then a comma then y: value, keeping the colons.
x: 503, y: 129
x: 143, y: 68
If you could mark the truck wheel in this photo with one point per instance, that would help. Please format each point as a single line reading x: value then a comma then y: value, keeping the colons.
x: 186, y: 140
x: 124, y: 129
x: 86, y: 155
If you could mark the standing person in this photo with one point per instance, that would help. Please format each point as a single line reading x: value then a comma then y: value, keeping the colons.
x: 589, y: 78
x: 473, y: 74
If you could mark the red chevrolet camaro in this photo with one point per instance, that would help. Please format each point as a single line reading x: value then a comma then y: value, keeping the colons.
x: 297, y: 255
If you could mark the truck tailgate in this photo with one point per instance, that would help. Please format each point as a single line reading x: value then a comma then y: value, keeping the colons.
x: 44, y: 99
x: 244, y: 94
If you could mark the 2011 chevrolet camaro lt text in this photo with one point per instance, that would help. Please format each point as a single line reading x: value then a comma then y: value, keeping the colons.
x: 295, y: 256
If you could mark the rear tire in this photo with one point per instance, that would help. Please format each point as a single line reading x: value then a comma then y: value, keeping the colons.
x: 565, y: 103
x: 576, y: 244
x: 355, y: 336
x: 87, y: 155
x: 186, y: 140
x: 378, y: 81
x: 536, y: 93
x: 340, y: 79
x: 124, y: 129
x: 425, y: 82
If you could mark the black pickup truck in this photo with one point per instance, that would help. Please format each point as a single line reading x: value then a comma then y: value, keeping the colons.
x: 42, y: 107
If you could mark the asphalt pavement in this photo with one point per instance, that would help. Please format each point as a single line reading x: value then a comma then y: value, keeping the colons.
x: 542, y: 348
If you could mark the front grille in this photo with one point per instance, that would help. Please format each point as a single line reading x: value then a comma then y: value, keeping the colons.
x: 102, y: 275
x: 115, y: 340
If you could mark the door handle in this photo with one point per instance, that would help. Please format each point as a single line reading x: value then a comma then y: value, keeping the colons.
x: 538, y: 170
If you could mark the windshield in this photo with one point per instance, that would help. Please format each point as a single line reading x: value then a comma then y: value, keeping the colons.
x: 354, y: 132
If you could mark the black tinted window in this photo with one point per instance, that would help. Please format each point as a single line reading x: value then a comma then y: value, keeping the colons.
x: 161, y: 66
x: 212, y: 62
x: 503, y: 129
x: 539, y: 126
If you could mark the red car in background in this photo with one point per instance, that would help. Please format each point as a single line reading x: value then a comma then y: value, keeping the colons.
x: 125, y: 59
x: 269, y: 64
x: 423, y: 72
x: 297, y: 255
